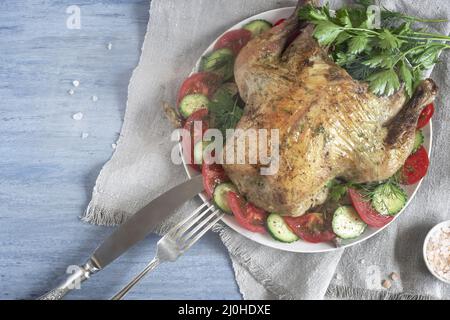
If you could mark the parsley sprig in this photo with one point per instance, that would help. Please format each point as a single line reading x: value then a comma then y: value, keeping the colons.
x: 386, y: 57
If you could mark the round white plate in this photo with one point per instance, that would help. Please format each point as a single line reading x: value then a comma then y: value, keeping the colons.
x: 302, y: 246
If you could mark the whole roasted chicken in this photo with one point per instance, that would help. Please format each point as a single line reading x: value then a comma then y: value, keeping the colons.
x: 330, y: 125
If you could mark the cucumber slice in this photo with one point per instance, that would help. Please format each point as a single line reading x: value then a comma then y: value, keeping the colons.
x: 389, y: 199
x: 347, y: 224
x: 220, y: 196
x: 279, y: 230
x: 192, y: 103
x: 220, y: 62
x: 419, y: 140
x: 258, y: 26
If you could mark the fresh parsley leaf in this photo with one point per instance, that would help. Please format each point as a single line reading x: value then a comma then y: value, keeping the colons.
x: 344, y: 18
x: 380, y: 61
x: 343, y: 37
x: 326, y: 32
x: 388, y: 41
x: 358, y: 44
x: 385, y: 82
x: 428, y: 57
x: 407, y: 77
x: 338, y: 190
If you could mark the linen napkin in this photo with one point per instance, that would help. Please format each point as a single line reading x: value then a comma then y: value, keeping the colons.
x: 141, y: 168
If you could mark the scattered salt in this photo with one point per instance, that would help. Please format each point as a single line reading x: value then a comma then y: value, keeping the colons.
x: 76, y: 83
x: 114, y: 146
x: 94, y: 98
x: 338, y: 277
x: 77, y: 116
x: 109, y: 46
x: 71, y: 92
x: 84, y: 135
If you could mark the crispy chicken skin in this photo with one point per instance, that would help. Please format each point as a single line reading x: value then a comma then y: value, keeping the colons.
x: 329, y: 124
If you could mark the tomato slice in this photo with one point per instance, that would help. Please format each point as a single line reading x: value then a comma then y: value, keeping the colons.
x: 367, y: 213
x: 203, y: 82
x: 425, y: 116
x: 234, y: 40
x: 213, y: 175
x: 416, y: 167
x: 246, y: 214
x: 279, y: 22
x: 195, y: 135
x: 311, y: 227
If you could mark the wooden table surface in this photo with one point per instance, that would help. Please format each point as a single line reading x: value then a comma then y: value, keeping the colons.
x: 47, y: 170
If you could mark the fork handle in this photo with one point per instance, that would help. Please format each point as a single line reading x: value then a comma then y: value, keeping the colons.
x: 152, y: 265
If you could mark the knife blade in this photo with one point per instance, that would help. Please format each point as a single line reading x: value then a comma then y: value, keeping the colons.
x: 144, y: 221
x: 127, y: 235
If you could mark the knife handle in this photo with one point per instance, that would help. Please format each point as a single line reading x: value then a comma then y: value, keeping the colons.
x: 73, y: 281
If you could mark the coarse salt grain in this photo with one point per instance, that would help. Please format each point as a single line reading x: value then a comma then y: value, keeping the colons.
x: 109, y: 46
x: 77, y: 116
x: 94, y: 98
x: 438, y: 252
x: 394, y: 276
x: 386, y: 284
x: 84, y: 135
x: 76, y: 83
x: 71, y: 92
x: 114, y: 146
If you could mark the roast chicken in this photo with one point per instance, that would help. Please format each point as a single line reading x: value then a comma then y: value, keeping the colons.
x: 330, y: 125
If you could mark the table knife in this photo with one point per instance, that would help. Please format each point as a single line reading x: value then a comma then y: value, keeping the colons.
x: 127, y: 235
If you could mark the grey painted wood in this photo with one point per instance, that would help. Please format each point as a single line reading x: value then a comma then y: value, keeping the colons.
x: 47, y: 170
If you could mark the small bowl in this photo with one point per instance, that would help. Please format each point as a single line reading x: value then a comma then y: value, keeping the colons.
x: 425, y: 244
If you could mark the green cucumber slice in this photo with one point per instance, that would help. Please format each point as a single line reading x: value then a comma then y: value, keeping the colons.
x: 257, y: 27
x: 389, y: 199
x: 220, y: 62
x: 279, y: 229
x: 220, y: 196
x: 192, y: 103
x: 419, y: 140
x: 347, y: 224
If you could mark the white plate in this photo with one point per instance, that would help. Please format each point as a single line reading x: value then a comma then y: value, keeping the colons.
x: 302, y: 246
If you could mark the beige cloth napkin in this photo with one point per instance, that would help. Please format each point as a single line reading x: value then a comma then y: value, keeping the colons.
x: 140, y: 169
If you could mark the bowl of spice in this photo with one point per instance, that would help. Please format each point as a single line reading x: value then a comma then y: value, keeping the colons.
x: 436, y: 251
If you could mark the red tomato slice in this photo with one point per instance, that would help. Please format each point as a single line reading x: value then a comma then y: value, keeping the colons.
x: 425, y: 116
x: 367, y: 213
x: 234, y: 40
x: 311, y: 227
x: 246, y: 214
x: 203, y: 82
x: 213, y: 175
x: 279, y: 22
x: 195, y: 135
x: 416, y: 167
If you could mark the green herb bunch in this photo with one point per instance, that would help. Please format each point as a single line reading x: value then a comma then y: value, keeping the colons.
x: 224, y: 111
x: 386, y: 57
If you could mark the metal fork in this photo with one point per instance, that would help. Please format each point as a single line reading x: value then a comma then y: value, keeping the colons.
x: 178, y: 240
